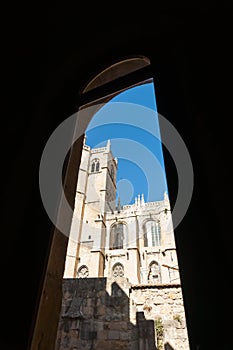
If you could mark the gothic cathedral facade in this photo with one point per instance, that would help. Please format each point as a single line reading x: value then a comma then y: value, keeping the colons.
x: 108, y: 240
x: 121, y: 286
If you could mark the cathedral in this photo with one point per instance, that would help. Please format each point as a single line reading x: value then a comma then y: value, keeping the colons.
x: 119, y: 250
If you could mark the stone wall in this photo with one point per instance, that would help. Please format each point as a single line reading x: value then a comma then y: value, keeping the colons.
x: 92, y: 318
x: 98, y: 313
x: 165, y: 304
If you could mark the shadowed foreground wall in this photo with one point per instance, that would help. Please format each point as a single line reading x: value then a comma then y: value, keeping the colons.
x: 97, y: 314
x: 91, y: 318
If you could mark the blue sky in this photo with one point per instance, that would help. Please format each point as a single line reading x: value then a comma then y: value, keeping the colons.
x: 130, y: 121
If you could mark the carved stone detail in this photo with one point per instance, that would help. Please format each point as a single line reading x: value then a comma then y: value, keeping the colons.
x: 118, y: 270
x: 83, y: 272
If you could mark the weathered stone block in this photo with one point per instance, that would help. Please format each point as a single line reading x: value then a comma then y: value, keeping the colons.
x: 124, y: 335
x: 121, y: 326
x: 113, y: 335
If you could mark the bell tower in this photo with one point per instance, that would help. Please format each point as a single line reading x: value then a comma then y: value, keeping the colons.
x: 95, y: 195
x: 101, y: 184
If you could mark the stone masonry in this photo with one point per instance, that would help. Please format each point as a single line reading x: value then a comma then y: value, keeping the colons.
x: 165, y: 303
x: 97, y: 314
x: 91, y: 318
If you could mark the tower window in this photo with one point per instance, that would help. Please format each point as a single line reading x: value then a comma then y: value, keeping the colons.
x: 95, y: 166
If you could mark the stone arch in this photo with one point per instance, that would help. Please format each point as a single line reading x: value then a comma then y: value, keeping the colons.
x: 117, y: 70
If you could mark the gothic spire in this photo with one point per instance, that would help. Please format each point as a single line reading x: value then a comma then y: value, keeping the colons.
x: 108, y: 145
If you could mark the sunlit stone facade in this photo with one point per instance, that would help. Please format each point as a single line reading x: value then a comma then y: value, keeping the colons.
x: 132, y: 246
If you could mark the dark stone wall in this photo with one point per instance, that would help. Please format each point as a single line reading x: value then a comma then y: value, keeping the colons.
x: 91, y: 318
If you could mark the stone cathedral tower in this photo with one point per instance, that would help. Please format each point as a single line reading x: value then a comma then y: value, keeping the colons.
x: 95, y: 197
x: 121, y: 275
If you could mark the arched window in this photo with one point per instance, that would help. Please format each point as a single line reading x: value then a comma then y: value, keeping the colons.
x: 118, y: 270
x: 154, y: 274
x: 92, y: 167
x: 118, y: 236
x: 95, y: 165
x: 152, y: 233
x: 83, y: 272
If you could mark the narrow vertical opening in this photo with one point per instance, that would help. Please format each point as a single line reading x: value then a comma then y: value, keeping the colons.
x: 122, y: 211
